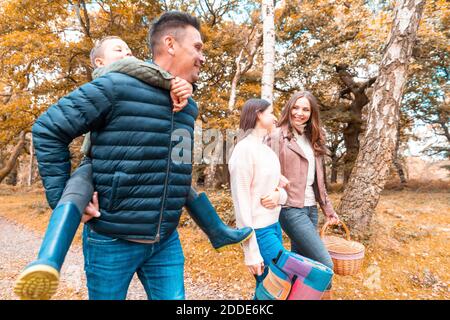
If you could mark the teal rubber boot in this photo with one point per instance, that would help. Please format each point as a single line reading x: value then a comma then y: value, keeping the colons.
x: 205, y: 216
x: 39, y: 280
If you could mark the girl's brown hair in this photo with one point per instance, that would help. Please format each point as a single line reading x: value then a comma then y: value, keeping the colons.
x: 313, y: 129
x: 249, y: 115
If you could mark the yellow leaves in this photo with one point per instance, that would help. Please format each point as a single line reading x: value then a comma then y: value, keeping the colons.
x: 413, y: 67
x: 31, y: 51
x: 15, y: 116
x: 31, y: 31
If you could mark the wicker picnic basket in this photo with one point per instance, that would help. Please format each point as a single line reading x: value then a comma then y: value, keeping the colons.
x: 347, y: 255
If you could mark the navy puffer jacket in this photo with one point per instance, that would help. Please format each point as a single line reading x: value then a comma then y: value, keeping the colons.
x: 137, y: 144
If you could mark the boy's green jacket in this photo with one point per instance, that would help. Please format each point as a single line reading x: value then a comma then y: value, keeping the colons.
x: 144, y: 71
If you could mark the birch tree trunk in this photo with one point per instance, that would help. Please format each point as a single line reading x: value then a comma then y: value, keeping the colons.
x: 269, y: 50
x: 252, y: 44
x: 371, y: 170
x: 234, y: 82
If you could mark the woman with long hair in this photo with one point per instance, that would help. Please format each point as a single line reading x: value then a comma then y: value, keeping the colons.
x: 299, y: 142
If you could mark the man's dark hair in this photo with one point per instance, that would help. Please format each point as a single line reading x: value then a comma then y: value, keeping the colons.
x: 168, y: 23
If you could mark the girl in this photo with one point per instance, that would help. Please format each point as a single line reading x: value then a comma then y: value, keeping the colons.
x: 257, y: 186
x: 299, y: 143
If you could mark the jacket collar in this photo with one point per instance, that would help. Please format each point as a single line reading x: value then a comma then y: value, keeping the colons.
x: 291, y: 144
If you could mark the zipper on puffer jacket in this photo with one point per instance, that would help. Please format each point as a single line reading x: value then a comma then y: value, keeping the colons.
x: 158, y: 236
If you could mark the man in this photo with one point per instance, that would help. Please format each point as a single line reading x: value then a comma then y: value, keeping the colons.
x: 40, y: 278
x: 140, y: 189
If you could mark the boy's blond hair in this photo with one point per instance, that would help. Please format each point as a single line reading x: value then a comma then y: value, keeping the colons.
x: 97, y: 50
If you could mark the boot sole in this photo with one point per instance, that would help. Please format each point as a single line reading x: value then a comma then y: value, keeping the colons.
x: 38, y: 282
x: 220, y: 249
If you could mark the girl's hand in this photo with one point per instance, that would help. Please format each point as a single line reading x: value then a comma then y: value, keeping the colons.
x: 333, y: 220
x: 180, y: 91
x: 271, y: 201
x: 256, y: 269
x: 92, y: 210
x: 283, y: 182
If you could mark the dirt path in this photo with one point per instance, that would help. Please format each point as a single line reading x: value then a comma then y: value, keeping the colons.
x: 19, y: 246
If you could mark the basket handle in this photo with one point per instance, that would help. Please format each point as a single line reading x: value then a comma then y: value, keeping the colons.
x: 327, y: 224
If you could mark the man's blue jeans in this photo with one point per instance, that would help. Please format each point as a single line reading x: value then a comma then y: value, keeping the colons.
x: 111, y: 263
x: 300, y: 224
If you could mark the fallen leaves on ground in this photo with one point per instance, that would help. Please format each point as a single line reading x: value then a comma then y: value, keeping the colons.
x: 407, y: 258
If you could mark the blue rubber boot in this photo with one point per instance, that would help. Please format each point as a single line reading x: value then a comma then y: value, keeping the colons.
x: 205, y: 216
x: 39, y: 280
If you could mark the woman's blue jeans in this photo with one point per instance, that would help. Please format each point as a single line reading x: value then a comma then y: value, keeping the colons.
x: 110, y: 264
x: 270, y: 242
x: 300, y: 224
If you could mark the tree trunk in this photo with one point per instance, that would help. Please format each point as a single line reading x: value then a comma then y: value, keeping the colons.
x: 400, y: 171
x: 251, y: 46
x: 234, y: 82
x: 85, y: 24
x: 269, y: 50
x: 336, y: 141
x: 216, y: 159
x: 351, y: 140
x: 372, y: 166
x: 354, y: 126
x: 334, y: 171
x: 397, y: 159
x: 11, y: 178
x: 224, y: 173
x: 11, y: 162
x: 210, y: 172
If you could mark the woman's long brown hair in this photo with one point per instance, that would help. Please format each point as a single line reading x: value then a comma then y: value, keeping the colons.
x: 313, y: 129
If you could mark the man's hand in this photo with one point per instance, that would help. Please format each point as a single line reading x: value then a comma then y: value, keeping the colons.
x: 92, y: 210
x: 180, y: 91
x: 256, y: 269
x: 271, y: 201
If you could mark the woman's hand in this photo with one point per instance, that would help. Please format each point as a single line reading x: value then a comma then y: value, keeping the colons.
x: 180, y: 91
x: 283, y: 182
x: 256, y: 269
x: 334, y: 219
x: 92, y: 210
x: 271, y: 201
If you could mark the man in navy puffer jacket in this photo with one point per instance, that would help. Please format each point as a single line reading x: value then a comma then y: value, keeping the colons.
x: 141, y: 188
